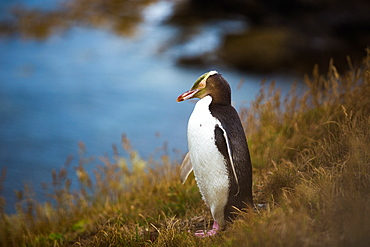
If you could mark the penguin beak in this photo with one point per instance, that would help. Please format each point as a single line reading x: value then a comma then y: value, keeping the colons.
x: 187, y: 95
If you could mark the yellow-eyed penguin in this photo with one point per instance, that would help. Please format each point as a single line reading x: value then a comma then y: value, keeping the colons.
x: 218, y: 151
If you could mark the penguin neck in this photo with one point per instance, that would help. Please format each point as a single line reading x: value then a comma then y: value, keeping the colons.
x: 204, y: 103
x: 208, y: 104
x: 221, y: 99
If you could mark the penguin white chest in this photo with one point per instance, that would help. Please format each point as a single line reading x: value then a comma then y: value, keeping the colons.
x: 209, y: 164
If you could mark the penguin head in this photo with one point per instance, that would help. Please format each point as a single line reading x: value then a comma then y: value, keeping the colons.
x: 210, y: 83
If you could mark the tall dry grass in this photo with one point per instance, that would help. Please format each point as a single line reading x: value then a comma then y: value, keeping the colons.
x: 311, y: 160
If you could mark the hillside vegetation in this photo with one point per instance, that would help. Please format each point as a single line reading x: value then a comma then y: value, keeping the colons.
x: 311, y: 157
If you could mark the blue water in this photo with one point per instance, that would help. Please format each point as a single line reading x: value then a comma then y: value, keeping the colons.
x: 90, y: 85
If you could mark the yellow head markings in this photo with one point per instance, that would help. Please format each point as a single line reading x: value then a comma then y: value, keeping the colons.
x: 200, y: 83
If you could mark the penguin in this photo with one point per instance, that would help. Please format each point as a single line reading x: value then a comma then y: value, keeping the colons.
x: 218, y: 151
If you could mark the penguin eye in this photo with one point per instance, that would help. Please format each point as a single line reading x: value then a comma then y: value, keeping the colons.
x: 202, y: 84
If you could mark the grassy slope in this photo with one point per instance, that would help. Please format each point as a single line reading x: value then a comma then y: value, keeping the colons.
x: 311, y: 161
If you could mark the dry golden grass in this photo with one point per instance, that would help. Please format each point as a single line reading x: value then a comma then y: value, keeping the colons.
x: 311, y: 160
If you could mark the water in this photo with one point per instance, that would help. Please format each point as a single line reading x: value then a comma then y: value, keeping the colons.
x: 90, y: 85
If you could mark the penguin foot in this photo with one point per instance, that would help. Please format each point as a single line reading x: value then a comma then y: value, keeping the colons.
x: 205, y: 233
x: 208, y: 233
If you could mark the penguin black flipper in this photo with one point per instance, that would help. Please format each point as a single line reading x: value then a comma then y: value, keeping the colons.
x: 223, y: 145
x: 237, y: 158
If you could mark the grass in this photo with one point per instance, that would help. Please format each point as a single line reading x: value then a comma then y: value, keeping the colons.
x: 311, y: 160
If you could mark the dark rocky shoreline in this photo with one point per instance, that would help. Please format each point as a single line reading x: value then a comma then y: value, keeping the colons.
x: 290, y: 35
